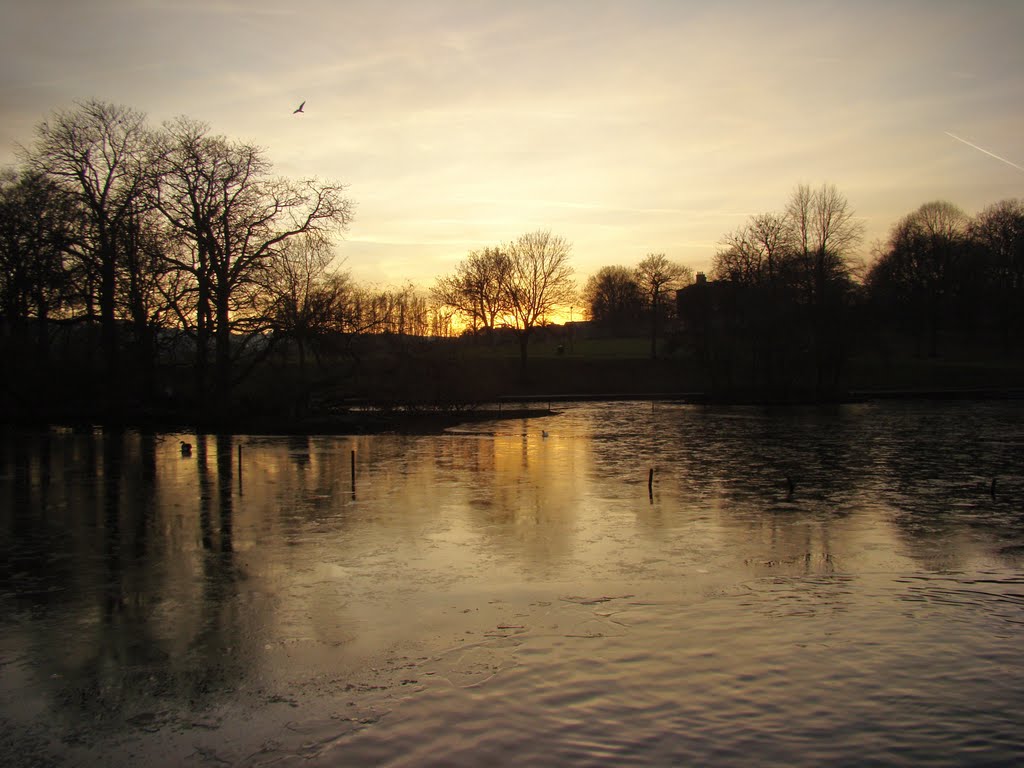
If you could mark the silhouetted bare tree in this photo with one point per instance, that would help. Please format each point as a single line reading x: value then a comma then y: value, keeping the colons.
x: 777, y: 322
x: 824, y: 232
x: 476, y: 289
x: 98, y: 152
x: 38, y: 224
x: 657, y: 277
x: 398, y: 312
x: 234, y: 217
x: 757, y: 252
x: 142, y: 287
x: 614, y: 299
x: 921, y: 265
x: 299, y: 296
x: 999, y: 232
x: 759, y: 259
x: 539, y: 281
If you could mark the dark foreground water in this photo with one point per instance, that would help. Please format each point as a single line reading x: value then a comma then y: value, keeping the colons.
x: 498, y: 597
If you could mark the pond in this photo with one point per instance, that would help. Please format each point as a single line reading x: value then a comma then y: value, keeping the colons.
x: 799, y: 586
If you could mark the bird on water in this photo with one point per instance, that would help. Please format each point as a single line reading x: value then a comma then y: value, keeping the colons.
x: 186, y: 448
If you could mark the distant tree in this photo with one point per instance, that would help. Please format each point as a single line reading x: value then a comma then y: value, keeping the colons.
x: 233, y: 218
x: 757, y: 252
x: 399, y: 312
x: 539, y: 281
x: 476, y: 289
x: 98, y: 153
x: 143, y: 288
x: 300, y: 295
x: 614, y: 298
x: 778, y: 321
x: 999, y: 232
x: 657, y: 278
x: 441, y: 318
x: 823, y: 233
x: 759, y: 259
x: 38, y: 224
x: 921, y: 265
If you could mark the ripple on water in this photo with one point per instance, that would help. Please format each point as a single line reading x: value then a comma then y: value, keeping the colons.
x: 711, y: 681
x: 505, y: 600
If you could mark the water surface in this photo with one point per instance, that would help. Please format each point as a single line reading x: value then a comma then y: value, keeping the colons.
x: 801, y: 586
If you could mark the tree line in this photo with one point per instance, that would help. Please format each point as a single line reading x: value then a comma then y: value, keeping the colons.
x: 942, y: 271
x: 127, y: 252
x: 519, y: 286
x: 788, y: 302
x: 137, y: 249
x: 133, y: 248
x: 524, y: 284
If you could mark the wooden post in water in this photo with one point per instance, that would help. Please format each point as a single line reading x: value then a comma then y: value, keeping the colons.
x: 239, y: 469
x: 353, y: 472
x: 650, y: 484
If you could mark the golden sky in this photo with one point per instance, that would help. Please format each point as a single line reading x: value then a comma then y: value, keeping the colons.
x: 625, y: 127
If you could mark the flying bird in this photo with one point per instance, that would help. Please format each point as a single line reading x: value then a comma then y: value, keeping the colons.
x: 299, y: 109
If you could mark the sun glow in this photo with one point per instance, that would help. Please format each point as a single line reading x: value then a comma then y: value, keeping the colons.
x: 625, y: 128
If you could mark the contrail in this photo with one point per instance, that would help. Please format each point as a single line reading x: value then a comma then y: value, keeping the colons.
x: 980, y: 149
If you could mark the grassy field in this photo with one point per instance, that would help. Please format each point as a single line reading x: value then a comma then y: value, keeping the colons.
x: 459, y: 372
x: 453, y: 375
x: 602, y: 349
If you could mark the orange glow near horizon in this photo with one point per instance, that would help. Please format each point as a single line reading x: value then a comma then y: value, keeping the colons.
x: 560, y: 316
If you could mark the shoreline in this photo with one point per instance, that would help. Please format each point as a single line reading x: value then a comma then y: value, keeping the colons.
x: 352, y: 423
x: 370, y: 420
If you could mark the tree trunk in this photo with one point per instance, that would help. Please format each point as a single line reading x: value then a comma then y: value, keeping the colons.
x: 202, y: 339
x: 42, y: 334
x: 524, y: 340
x: 654, y: 327
x: 108, y: 324
x: 222, y: 353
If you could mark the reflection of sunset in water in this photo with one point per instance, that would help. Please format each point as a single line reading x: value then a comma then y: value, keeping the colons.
x: 491, y: 581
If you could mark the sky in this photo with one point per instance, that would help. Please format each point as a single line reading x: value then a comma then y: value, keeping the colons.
x: 627, y: 128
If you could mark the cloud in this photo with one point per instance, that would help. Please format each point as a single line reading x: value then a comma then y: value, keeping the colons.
x: 651, y: 124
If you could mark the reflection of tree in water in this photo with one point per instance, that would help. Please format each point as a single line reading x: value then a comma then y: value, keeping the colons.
x: 512, y: 490
x: 31, y: 528
x: 938, y: 468
x: 924, y: 467
x: 306, y: 483
x: 110, y: 576
x: 93, y: 573
x: 784, y: 478
x: 299, y: 448
x: 525, y: 495
x: 143, y: 555
x: 743, y: 455
x: 212, y: 663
